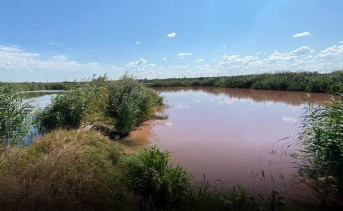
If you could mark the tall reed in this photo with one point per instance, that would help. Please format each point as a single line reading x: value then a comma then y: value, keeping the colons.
x: 16, y: 117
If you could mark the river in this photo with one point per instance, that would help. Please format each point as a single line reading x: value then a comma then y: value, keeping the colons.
x: 228, y: 135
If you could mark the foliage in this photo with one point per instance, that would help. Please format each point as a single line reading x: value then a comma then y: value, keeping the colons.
x: 131, y: 103
x: 152, y: 176
x: 287, y: 81
x: 32, y: 86
x: 322, y: 138
x: 125, y: 103
x: 80, y: 104
x: 15, y: 117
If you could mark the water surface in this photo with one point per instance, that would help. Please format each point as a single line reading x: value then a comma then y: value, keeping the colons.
x: 226, y: 133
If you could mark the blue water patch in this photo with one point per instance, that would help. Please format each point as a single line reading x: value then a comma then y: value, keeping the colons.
x: 29, y: 138
x: 39, y: 102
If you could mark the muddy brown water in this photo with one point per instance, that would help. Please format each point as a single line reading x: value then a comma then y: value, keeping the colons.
x: 229, y: 135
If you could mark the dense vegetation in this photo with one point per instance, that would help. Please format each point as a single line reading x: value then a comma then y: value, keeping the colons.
x: 124, y: 104
x: 32, y: 86
x: 73, y: 167
x: 287, y: 81
x: 305, y: 81
x: 15, y: 117
x: 322, y: 155
x: 130, y: 103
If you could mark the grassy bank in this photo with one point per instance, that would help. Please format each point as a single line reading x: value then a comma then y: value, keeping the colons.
x: 308, y: 82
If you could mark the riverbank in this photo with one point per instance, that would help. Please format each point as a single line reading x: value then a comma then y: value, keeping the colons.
x: 331, y: 83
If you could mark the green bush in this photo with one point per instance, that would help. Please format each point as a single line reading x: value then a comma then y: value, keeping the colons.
x: 323, y: 142
x: 66, y: 111
x: 287, y: 81
x: 15, y: 117
x: 156, y: 180
x: 83, y: 104
x: 130, y: 103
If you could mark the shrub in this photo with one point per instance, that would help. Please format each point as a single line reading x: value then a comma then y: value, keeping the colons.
x: 130, y: 103
x: 302, y: 81
x: 85, y: 103
x: 156, y: 180
x: 15, y: 117
x: 65, y: 111
x: 323, y: 145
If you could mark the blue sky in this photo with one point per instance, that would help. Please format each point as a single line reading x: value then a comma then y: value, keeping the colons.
x: 73, y: 39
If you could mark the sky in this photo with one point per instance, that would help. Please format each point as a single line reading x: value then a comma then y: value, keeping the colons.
x: 59, y: 40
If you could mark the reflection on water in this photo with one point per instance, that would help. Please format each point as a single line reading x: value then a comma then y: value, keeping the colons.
x: 227, y: 134
x: 39, y: 100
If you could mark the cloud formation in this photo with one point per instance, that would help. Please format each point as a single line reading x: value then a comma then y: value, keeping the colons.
x: 182, y: 55
x: 15, y: 58
x: 173, y: 34
x: 303, y: 34
x: 138, y: 43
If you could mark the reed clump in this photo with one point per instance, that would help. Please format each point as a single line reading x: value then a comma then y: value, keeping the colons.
x: 16, y: 117
x: 286, y: 81
x: 322, y: 153
x: 125, y: 103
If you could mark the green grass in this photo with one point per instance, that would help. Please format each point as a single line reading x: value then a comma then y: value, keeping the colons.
x: 160, y: 183
x: 322, y: 155
x: 130, y: 103
x: 287, y: 81
x: 15, y: 117
x: 125, y: 104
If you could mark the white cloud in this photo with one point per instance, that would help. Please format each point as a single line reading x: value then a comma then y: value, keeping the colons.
x: 182, y: 55
x: 139, y: 62
x: 303, y: 34
x: 333, y: 52
x: 151, y: 65
x: 303, y: 58
x: 340, y: 42
x: 173, y: 34
x: 141, y: 66
x: 138, y: 43
x: 15, y: 58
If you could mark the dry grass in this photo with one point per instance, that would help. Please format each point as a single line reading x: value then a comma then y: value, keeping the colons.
x: 64, y: 170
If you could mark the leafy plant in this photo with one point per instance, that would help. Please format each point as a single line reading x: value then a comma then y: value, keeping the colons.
x: 159, y: 183
x: 130, y: 103
x: 322, y: 138
x: 15, y: 117
x: 85, y: 103
x: 288, y: 81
